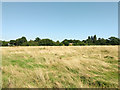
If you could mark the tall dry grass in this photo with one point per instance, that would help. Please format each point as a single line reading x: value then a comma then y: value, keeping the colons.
x: 60, y: 66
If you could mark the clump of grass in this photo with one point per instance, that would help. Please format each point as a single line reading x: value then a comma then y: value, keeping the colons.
x: 97, y: 83
x: 56, y: 54
x: 62, y: 56
x: 23, y: 63
x: 39, y: 66
x: 42, y: 48
x: 105, y: 51
x: 109, y: 57
x: 42, y: 59
x: 75, y: 71
x: 5, y: 79
x: 112, y: 61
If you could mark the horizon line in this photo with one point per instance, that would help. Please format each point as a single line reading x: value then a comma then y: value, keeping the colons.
x: 59, y: 40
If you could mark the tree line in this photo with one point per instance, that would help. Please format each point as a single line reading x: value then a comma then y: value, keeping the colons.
x: 91, y: 40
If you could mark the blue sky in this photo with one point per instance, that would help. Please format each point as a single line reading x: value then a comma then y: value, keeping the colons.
x: 60, y: 20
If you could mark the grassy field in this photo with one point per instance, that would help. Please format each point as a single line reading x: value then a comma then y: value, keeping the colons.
x: 60, y: 66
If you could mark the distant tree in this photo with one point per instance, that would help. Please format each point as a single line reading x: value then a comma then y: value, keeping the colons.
x: 57, y: 43
x: 12, y: 42
x: 81, y: 43
x: 65, y: 42
x: 0, y: 42
x: 37, y: 39
x: 114, y: 41
x: 70, y: 41
x: 25, y: 44
x: 5, y: 43
x: 46, y: 42
x: 94, y: 39
x: 107, y: 42
x: 91, y: 40
x: 75, y: 41
x: 61, y: 44
x: 101, y: 41
x: 23, y: 39
x: 32, y: 43
x: 20, y: 41
x: 85, y: 42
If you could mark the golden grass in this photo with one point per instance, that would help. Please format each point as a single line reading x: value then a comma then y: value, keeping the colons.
x: 60, y: 66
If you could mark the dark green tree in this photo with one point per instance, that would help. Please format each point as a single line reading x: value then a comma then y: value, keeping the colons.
x: 114, y: 41
x: 12, y: 42
x: 46, y: 42
x: 57, y: 43
x: 20, y: 41
x: 94, y: 39
x: 37, y: 39
x: 5, y: 43
x: 65, y: 42
x: 32, y: 43
x: 101, y: 41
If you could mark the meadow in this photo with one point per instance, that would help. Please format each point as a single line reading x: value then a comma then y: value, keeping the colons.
x: 60, y: 67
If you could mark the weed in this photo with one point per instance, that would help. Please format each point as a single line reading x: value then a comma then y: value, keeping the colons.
x: 109, y: 57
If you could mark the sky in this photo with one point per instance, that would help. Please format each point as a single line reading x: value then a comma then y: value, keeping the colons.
x: 59, y: 20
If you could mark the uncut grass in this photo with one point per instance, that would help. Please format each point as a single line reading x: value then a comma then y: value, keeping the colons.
x: 60, y: 67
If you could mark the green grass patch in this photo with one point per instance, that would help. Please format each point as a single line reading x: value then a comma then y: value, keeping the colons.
x: 96, y: 72
x: 96, y: 83
x: 109, y: 57
x: 23, y: 63
x: 39, y: 66
x: 5, y: 79
x: 54, y: 67
x: 75, y: 71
